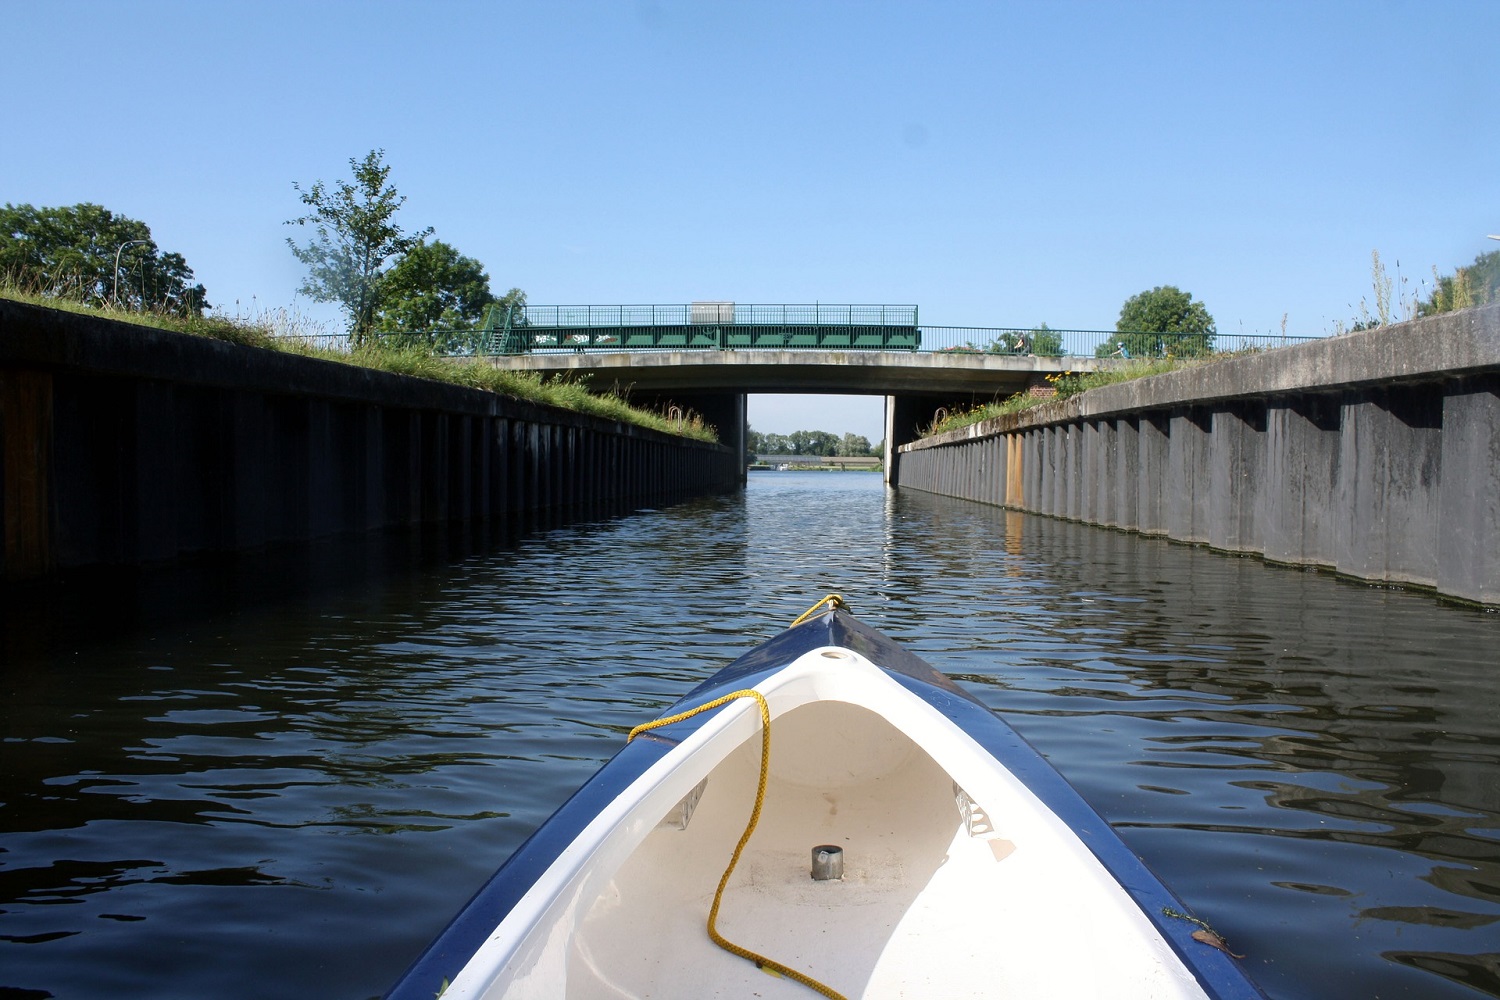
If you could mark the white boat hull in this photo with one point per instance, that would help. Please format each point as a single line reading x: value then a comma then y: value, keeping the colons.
x: 958, y: 880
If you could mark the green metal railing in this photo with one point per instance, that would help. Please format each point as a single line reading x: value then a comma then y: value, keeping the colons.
x: 732, y: 326
x: 716, y: 313
x: 534, y: 329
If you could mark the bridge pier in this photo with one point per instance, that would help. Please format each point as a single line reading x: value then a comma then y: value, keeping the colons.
x: 910, y: 414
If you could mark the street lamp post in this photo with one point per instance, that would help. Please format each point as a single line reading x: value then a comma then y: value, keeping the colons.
x: 119, y: 250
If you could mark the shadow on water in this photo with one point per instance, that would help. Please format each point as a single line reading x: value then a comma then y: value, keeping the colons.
x: 215, y: 768
x: 37, y: 619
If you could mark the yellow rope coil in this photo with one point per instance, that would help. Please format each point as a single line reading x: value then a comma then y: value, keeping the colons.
x: 761, y: 961
x: 834, y: 602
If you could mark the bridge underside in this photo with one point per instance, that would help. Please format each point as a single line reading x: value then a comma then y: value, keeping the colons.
x: 714, y: 383
x: 907, y: 416
x: 875, y: 373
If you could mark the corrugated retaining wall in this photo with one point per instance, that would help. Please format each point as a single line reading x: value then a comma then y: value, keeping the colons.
x: 1375, y: 454
x: 125, y: 445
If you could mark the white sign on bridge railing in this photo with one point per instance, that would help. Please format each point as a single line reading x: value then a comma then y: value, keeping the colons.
x: 711, y: 313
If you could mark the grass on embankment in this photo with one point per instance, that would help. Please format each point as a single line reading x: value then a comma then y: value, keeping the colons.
x: 475, y: 374
x: 1067, y: 384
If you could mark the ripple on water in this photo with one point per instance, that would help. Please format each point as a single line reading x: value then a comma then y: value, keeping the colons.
x: 292, y: 796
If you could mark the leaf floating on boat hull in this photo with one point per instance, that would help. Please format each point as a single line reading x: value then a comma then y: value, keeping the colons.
x: 1214, y: 941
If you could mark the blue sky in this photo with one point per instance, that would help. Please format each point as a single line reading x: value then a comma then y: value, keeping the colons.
x: 994, y: 163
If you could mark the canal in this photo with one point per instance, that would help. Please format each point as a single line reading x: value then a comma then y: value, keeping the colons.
x: 281, y: 777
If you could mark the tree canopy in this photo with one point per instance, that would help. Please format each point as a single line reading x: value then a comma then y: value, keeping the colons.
x: 1041, y: 340
x: 72, y: 252
x: 436, y: 296
x: 1046, y: 342
x: 809, y: 443
x: 853, y: 446
x: 1162, y: 322
x: 355, y: 238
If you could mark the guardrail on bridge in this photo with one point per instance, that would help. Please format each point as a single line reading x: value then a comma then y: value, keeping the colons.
x: 532, y: 329
x: 731, y: 326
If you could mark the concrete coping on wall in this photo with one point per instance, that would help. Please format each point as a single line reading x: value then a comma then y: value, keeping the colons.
x: 1433, y: 349
x: 41, y: 338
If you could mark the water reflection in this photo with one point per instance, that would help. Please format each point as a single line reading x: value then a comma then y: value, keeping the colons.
x: 277, y: 783
x: 1312, y: 761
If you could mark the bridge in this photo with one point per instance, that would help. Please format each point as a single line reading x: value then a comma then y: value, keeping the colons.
x: 516, y: 330
x: 841, y: 462
x: 706, y: 356
x: 715, y: 383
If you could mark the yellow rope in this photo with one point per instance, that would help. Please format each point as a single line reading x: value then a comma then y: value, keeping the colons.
x: 761, y: 961
x: 834, y: 602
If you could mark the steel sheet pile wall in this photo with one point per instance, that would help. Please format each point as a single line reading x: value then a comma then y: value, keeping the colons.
x: 125, y: 445
x: 1374, y: 454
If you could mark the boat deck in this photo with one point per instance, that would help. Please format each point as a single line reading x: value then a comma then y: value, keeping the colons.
x: 926, y: 908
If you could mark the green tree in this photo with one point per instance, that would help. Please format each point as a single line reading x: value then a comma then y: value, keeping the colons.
x: 355, y: 239
x: 72, y: 252
x: 432, y: 287
x: 437, y: 297
x: 813, y: 443
x: 1046, y: 342
x: 853, y: 445
x: 753, y: 441
x: 1009, y: 342
x: 1039, y: 340
x: 1164, y: 322
x: 775, y: 444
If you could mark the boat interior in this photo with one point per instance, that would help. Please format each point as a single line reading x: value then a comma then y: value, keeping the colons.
x: 956, y: 882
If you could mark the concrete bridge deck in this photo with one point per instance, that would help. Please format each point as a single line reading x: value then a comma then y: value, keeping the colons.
x: 880, y: 373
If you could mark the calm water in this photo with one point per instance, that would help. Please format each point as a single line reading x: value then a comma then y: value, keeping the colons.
x: 276, y: 783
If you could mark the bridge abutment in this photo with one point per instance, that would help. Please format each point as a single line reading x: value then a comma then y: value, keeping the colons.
x: 726, y: 412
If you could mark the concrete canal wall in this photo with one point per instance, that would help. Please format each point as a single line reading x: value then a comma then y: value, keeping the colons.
x: 124, y: 445
x: 1375, y: 454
